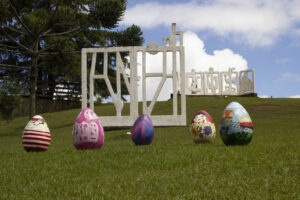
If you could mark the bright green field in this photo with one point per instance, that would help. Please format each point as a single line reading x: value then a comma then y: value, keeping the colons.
x: 172, y: 167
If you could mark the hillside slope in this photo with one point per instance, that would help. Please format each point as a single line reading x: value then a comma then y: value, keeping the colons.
x: 172, y: 167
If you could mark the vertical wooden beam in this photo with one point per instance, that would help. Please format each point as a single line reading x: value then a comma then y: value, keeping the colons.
x: 118, y: 87
x: 182, y: 74
x: 145, y: 111
x: 92, y: 74
x: 83, y: 79
x: 174, y: 72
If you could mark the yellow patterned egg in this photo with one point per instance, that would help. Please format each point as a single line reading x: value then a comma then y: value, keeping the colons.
x: 202, y: 128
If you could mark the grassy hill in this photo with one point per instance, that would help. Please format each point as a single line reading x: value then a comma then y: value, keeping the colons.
x: 172, y: 167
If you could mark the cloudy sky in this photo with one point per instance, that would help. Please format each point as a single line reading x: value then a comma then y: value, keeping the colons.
x: 263, y: 35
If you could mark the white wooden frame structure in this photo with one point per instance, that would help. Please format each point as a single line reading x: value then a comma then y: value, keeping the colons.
x: 212, y: 82
x: 153, y: 48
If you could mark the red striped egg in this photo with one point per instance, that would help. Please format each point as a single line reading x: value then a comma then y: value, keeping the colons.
x: 36, y: 135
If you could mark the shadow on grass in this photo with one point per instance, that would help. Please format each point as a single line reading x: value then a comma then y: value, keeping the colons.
x: 11, y: 134
x: 120, y: 136
x: 61, y: 126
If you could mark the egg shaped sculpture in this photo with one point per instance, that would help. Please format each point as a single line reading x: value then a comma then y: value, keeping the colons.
x: 88, y: 131
x: 236, y: 126
x: 202, y: 128
x: 142, y: 132
x: 36, y: 135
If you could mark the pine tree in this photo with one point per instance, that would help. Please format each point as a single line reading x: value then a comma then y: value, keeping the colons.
x: 42, y: 39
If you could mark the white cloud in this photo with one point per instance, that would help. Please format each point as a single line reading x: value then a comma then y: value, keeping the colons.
x: 254, y: 22
x: 297, y: 32
x: 295, y: 96
x: 264, y: 96
x: 295, y: 43
x: 282, y: 60
x: 196, y: 58
x: 293, y: 7
x: 290, y: 77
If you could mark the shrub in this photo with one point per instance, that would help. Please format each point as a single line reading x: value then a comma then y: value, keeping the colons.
x: 8, y: 103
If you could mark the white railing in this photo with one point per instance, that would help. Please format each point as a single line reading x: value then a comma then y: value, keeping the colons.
x: 212, y: 82
x: 132, y: 84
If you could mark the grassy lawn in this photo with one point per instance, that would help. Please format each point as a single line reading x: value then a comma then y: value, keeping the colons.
x: 172, y: 167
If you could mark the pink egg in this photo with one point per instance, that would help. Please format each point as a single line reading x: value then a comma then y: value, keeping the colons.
x: 88, y: 131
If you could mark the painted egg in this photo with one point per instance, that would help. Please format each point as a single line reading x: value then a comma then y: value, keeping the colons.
x: 36, y: 135
x: 88, y: 131
x: 236, y: 126
x: 202, y: 128
x: 142, y: 131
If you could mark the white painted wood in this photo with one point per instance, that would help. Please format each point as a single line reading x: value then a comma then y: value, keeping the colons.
x: 92, y: 74
x: 228, y: 82
x: 175, y: 82
x: 83, y: 79
x: 121, y: 66
x: 246, y: 84
x: 178, y: 79
x: 144, y: 97
x: 182, y: 82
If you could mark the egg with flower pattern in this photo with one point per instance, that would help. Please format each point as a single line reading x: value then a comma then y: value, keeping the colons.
x: 88, y: 131
x: 142, y: 132
x: 36, y: 135
x: 202, y: 128
x: 236, y: 126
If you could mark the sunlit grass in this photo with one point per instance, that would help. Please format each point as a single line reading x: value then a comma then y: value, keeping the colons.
x: 172, y: 167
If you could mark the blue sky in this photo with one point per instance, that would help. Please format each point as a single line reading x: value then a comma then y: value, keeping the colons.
x: 264, y: 33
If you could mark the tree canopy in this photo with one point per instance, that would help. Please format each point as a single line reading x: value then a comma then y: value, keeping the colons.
x: 41, y: 40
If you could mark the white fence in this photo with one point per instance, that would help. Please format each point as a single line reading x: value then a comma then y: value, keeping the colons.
x: 211, y: 82
x: 220, y: 83
x: 176, y: 119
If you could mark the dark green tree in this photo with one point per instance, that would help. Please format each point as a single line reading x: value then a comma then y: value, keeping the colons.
x: 43, y: 38
x: 9, y: 101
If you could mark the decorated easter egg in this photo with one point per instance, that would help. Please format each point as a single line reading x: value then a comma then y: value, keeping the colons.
x: 36, y: 135
x: 236, y: 126
x: 88, y: 131
x: 202, y: 128
x: 142, y: 131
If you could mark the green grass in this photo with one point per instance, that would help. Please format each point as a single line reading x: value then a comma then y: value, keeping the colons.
x: 172, y: 167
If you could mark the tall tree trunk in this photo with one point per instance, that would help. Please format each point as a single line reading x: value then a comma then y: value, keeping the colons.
x: 33, y: 81
x: 51, y: 85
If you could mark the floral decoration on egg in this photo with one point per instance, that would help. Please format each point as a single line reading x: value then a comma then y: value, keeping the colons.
x: 202, y: 128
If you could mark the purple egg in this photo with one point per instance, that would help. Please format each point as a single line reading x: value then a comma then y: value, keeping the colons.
x: 88, y: 131
x: 142, y: 132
